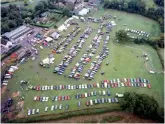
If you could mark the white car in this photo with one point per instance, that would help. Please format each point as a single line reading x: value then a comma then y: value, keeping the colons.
x: 91, y: 93
x: 43, y: 99
x: 60, y: 107
x: 109, y: 100
x: 91, y: 102
x: 85, y: 86
x: 72, y: 87
x: 46, y: 109
x: 118, y: 80
x: 86, y: 95
x: 122, y: 84
x: 69, y: 87
x: 125, y: 79
x: 52, y: 108
x: 51, y: 87
x: 98, y: 86
x: 114, y: 80
x: 37, y: 111
x: 47, y: 98
x: 145, y: 85
x: 79, y: 86
x: 29, y: 112
x: 46, y: 87
x: 33, y: 111
x: 35, y: 98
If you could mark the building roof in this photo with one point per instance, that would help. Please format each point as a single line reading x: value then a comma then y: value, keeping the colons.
x: 55, y: 35
x: 17, y: 32
x: 4, y: 41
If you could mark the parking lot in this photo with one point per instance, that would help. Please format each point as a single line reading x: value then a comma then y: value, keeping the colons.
x: 96, y: 56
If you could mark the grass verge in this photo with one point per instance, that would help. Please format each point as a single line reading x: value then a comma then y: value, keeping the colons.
x: 64, y: 115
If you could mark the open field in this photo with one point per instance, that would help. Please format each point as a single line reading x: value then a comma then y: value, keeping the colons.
x: 123, y: 63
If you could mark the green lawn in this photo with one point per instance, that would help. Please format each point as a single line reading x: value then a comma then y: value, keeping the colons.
x: 123, y: 63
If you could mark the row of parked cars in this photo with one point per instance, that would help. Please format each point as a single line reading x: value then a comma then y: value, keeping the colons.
x: 52, y: 108
x: 93, y: 93
x: 138, y: 32
x: 72, y: 52
x: 67, y: 40
x: 95, y: 65
x: 94, y: 20
x: 54, y: 98
x: 101, y: 100
x: 87, y: 56
x: 104, y: 84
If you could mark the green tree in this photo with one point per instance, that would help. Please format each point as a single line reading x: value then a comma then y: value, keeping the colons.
x: 12, y: 24
x: 122, y: 35
x: 25, y: 2
x: 4, y: 28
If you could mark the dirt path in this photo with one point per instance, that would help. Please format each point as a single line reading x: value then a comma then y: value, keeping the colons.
x: 127, y: 118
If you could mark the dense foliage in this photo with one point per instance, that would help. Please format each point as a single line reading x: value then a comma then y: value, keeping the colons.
x: 159, y: 2
x: 13, y: 16
x: 142, y: 105
x: 121, y: 36
x: 139, y: 7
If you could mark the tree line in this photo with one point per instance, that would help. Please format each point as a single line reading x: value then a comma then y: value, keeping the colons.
x: 156, y: 42
x: 159, y: 2
x: 142, y: 105
x: 139, y: 7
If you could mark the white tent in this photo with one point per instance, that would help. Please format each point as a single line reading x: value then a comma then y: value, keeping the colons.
x: 48, y: 61
x: 48, y: 39
x: 113, y: 23
x: 83, y: 12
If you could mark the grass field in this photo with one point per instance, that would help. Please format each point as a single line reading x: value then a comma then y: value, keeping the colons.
x: 123, y: 63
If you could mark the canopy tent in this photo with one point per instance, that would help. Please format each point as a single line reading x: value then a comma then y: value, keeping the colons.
x: 48, y: 39
x: 48, y: 61
x: 83, y: 12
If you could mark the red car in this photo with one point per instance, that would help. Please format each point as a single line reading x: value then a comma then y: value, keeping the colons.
x: 129, y: 84
x: 142, y: 85
x: 128, y: 80
x: 125, y: 84
x: 94, y: 85
x: 87, y: 103
x: 59, y: 98
x: 68, y: 97
x: 83, y: 95
x: 115, y: 84
x: 62, y: 86
x: 38, y: 98
x: 112, y: 85
x: 65, y: 97
x: 149, y: 86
